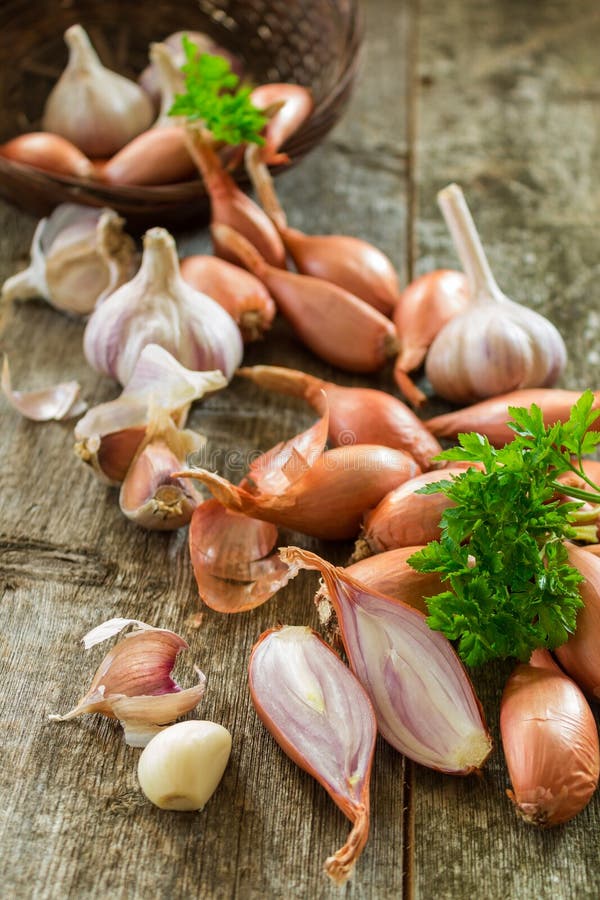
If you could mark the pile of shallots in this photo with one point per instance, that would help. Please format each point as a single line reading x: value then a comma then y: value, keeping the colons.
x: 169, y: 334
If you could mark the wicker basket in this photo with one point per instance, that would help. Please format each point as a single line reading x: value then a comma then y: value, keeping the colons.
x: 309, y: 42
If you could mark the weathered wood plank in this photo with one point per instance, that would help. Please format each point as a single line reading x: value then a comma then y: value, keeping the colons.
x: 73, y: 823
x: 508, y: 107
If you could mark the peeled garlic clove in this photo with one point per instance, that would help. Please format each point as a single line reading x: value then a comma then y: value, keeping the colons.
x: 150, y: 496
x: 229, y: 555
x: 356, y: 415
x: 158, y: 307
x: 231, y: 207
x: 182, y: 766
x: 322, y: 719
x: 405, y: 517
x: 424, y: 702
x: 495, y: 345
x: 550, y: 742
x: 94, y: 108
x: 61, y: 401
x: 78, y: 255
x: 245, y: 298
x: 421, y: 311
x: 109, y: 435
x: 329, y: 499
x: 133, y: 682
x: 490, y: 417
x: 337, y: 326
x: 48, y: 152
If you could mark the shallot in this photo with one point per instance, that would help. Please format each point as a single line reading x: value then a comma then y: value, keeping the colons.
x: 550, y: 743
x: 579, y: 656
x: 48, y: 152
x: 322, y: 718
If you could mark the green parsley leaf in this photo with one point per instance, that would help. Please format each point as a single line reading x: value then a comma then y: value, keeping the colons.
x: 212, y: 97
x: 511, y: 588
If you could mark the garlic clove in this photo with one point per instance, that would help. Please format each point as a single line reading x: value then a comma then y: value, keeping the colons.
x: 495, y: 345
x: 322, y: 719
x: 61, y: 401
x: 94, y: 108
x: 150, y: 496
x: 489, y: 417
x: 158, y: 306
x: 133, y: 682
x: 228, y: 552
x: 109, y: 435
x: 335, y: 324
x: 356, y: 415
x: 245, y: 298
x: 78, y: 255
x: 171, y: 81
x: 182, y: 766
x: 425, y: 704
x: 48, y: 152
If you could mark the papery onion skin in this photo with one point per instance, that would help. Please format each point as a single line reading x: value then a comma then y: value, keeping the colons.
x: 580, y: 656
x: 322, y: 719
x: 356, y: 415
x: 550, y: 743
x: 490, y: 417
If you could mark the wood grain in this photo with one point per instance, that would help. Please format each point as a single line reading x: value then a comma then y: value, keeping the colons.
x: 500, y: 96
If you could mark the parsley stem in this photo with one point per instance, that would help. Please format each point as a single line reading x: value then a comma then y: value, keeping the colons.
x: 577, y: 493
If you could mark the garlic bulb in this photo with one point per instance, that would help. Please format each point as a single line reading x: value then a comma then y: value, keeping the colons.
x: 495, y: 345
x: 78, y: 255
x: 158, y: 306
x: 94, y: 108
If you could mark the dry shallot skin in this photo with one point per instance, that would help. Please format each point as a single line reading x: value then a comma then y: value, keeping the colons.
x: 490, y: 416
x: 229, y: 556
x: 580, y: 657
x: 328, y: 500
x: 550, y: 743
x: 133, y: 682
x: 59, y: 401
x: 424, y: 702
x: 245, y: 298
x: 336, y: 325
x: 405, y: 517
x: 422, y: 309
x: 322, y: 719
x: 231, y: 207
x: 356, y: 415
x: 49, y: 152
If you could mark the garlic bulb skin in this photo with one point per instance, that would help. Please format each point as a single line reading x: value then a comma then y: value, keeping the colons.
x: 495, y: 345
x: 182, y: 766
x: 94, y: 108
x: 158, y: 307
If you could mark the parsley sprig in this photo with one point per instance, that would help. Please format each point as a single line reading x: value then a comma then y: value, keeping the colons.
x: 211, y: 98
x: 511, y: 587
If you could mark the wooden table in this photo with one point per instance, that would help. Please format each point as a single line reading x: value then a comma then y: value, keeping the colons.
x: 500, y: 96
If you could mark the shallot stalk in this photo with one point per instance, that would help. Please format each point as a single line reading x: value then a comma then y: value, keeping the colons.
x: 336, y: 325
x: 422, y: 310
x: 245, y: 298
x: 349, y: 262
x: 230, y: 206
x: 296, y: 485
x: 495, y: 345
x: 550, y: 742
x: 490, y: 417
x: 406, y: 517
x: 356, y: 415
x: 579, y: 656
x: 229, y: 555
x: 425, y: 704
x: 322, y: 719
